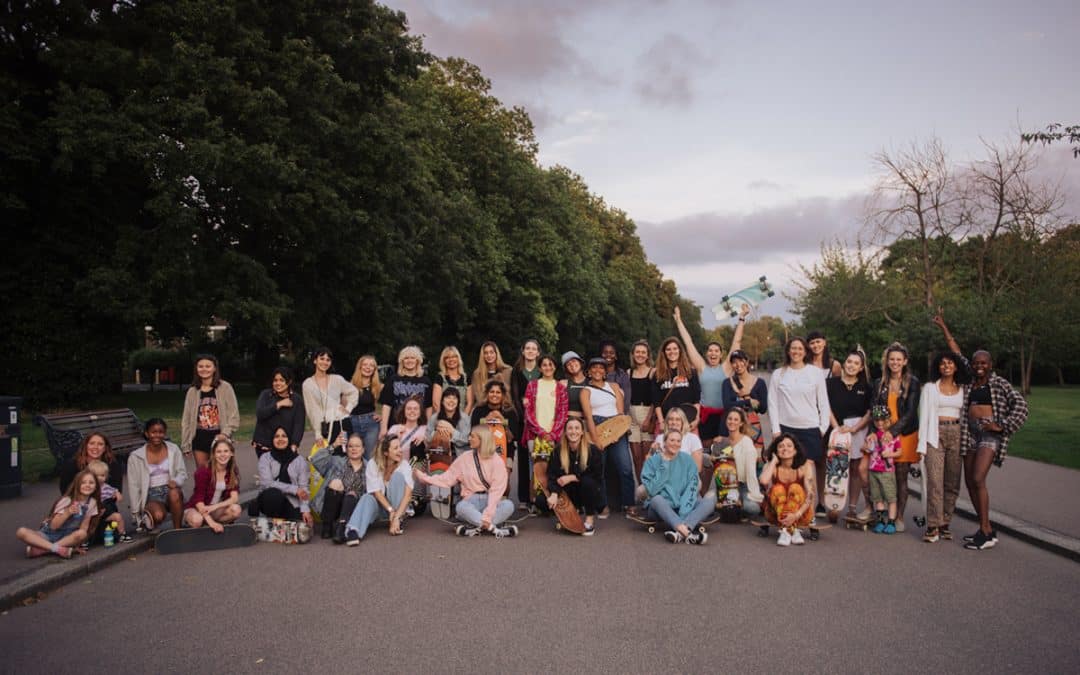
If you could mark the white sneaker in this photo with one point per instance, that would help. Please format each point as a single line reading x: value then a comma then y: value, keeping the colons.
x: 784, y: 539
x: 796, y: 538
x: 865, y: 513
x: 900, y: 525
x: 673, y: 536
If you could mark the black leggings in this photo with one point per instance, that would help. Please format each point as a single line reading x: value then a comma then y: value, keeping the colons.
x: 585, y: 494
x: 275, y: 504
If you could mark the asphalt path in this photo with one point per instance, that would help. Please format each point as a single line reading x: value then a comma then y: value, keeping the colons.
x: 623, y: 601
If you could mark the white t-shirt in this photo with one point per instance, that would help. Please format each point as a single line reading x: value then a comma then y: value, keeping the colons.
x: 374, y: 475
x: 798, y: 399
x: 691, y: 443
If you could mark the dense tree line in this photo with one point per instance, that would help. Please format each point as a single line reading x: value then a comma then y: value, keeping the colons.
x: 302, y: 169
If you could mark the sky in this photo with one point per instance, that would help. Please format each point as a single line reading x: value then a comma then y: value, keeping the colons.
x: 739, y: 136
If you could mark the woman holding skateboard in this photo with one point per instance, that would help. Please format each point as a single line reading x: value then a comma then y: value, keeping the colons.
x: 574, y: 473
x: 712, y: 370
x: 898, y: 390
x: 483, y: 477
x: 215, y: 500
x: 450, y: 422
x: 671, y: 483
x: 283, y: 481
x: 788, y: 483
x: 601, y: 401
x: 210, y: 410
x: 546, y: 404
x: 850, y: 400
x: 389, y: 483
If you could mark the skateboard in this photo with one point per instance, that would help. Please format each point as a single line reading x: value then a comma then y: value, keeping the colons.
x: 569, y: 517
x: 752, y: 295
x: 541, y: 455
x: 853, y: 523
x: 281, y: 530
x: 316, y: 479
x: 611, y: 430
x: 836, y: 474
x: 193, y: 539
x: 726, y: 478
x: 919, y: 471
x: 502, y: 442
x: 813, y: 530
x: 651, y: 524
x: 440, y: 498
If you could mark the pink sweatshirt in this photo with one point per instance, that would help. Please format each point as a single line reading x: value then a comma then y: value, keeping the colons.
x: 463, y: 471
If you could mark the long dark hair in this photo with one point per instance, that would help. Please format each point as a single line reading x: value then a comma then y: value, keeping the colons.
x: 787, y: 350
x: 441, y: 414
x: 800, y: 456
x: 399, y: 414
x: 826, y: 358
x: 196, y: 381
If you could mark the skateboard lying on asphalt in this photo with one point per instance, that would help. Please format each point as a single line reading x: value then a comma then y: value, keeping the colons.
x: 440, y: 498
x: 853, y: 523
x: 281, y: 530
x: 194, y: 539
x: 650, y: 524
x: 751, y: 295
x: 836, y: 474
x: 813, y: 531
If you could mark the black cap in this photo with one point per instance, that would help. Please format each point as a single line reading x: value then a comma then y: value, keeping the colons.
x: 739, y: 354
x: 597, y: 361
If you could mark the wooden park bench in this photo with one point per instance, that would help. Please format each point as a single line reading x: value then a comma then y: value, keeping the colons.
x: 65, y: 431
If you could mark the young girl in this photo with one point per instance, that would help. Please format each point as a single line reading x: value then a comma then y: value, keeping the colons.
x: 788, y: 482
x: 451, y: 420
x: 110, y: 499
x: 210, y: 410
x: 574, y: 471
x: 156, y: 476
x: 409, y: 382
x: 713, y: 370
x: 641, y: 404
x: 345, y: 484
x: 328, y: 398
x: 899, y: 390
x: 483, y: 478
x: 364, y: 417
x: 490, y: 366
x: 882, y: 449
x: 452, y: 375
x: 68, y: 523
x: 215, y: 500
x: 389, y: 483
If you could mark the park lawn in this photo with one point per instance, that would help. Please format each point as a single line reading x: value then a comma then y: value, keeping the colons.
x: 1052, y: 429
x: 38, y: 462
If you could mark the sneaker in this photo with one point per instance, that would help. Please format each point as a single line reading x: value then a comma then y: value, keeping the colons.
x: 63, y: 551
x: 980, y: 541
x: 932, y: 535
x: 879, y: 527
x: 508, y: 531
x: 604, y: 514
x: 796, y: 538
x: 784, y: 539
x: 891, y: 527
x: 673, y: 536
x: 899, y: 525
x: 410, y: 511
x: 466, y: 531
x: 352, y: 538
x: 865, y: 514
x: 945, y: 532
x: 820, y: 511
x: 697, y: 538
x: 511, y: 531
x: 968, y: 538
x: 590, y: 530
x: 36, y: 552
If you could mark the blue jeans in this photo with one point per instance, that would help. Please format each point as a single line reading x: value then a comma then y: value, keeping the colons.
x: 618, y: 455
x: 471, y: 510
x: 660, y: 509
x: 368, y: 428
x: 368, y: 509
x: 749, y: 508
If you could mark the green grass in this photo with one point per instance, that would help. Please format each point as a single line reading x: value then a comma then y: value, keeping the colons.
x: 1052, y: 430
x: 168, y: 405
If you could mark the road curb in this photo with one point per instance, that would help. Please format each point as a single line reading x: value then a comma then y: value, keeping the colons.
x: 56, y: 573
x: 1036, y: 535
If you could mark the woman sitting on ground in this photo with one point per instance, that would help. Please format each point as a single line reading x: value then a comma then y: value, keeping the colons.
x: 283, y: 479
x: 155, y: 478
x: 788, y: 482
x: 574, y: 473
x: 691, y: 444
x: 389, y: 484
x: 746, y: 458
x: 67, y: 524
x: 483, y: 478
x: 95, y: 447
x: 215, y: 500
x: 345, y: 481
x: 671, y: 482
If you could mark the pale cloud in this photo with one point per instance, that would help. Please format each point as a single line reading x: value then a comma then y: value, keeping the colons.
x: 665, y: 71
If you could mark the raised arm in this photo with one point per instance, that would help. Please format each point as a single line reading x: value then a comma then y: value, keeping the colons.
x: 939, y: 321
x: 736, y: 340
x: 688, y: 344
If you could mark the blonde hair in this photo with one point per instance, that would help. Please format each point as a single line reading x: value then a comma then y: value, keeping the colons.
x: 480, y: 375
x: 414, y: 351
x: 744, y: 427
x: 446, y: 352
x: 375, y: 383
x: 99, y: 467
x: 487, y: 441
x: 564, y: 447
x: 678, y: 412
x: 382, y: 450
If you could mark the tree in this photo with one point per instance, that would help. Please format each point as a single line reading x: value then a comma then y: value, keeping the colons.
x: 1055, y: 132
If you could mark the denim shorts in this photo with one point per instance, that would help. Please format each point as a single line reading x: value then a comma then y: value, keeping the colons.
x: 990, y: 440
x: 158, y: 494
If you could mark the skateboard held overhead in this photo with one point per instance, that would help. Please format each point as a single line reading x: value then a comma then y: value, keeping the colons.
x: 751, y: 295
x: 191, y: 540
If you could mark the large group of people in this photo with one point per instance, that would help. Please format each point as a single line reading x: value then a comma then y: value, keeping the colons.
x: 683, y: 410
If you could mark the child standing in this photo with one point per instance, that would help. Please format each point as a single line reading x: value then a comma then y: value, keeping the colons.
x: 110, y: 501
x: 68, y: 521
x: 882, y: 448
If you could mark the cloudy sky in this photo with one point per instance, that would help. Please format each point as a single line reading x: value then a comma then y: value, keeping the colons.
x: 740, y: 135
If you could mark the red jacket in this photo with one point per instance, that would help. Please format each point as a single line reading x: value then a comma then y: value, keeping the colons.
x: 532, y: 428
x: 204, y: 488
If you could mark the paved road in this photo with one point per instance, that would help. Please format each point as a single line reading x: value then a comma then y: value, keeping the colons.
x: 623, y: 601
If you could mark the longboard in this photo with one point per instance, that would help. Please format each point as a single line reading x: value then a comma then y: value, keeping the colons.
x: 440, y: 498
x: 611, y: 430
x: 281, y: 530
x: 651, y: 524
x: 853, y: 523
x: 836, y: 474
x: 316, y: 479
x: 919, y: 471
x: 567, y: 513
x: 813, y: 530
x: 541, y: 455
x: 751, y: 295
x: 726, y: 478
x: 194, y: 539
x: 502, y: 441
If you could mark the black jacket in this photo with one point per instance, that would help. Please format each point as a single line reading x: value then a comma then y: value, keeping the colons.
x: 907, y: 405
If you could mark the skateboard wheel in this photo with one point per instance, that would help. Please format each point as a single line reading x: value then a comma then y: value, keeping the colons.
x: 558, y: 526
x: 920, y: 521
x: 763, y: 531
x: 652, y: 529
x: 813, y: 535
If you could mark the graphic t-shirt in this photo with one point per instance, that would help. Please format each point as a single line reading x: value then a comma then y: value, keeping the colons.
x: 398, y: 388
x: 678, y: 390
x: 879, y: 464
x: 208, y: 420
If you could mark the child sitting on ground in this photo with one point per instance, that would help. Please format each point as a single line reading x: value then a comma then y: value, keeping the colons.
x: 882, y: 470
x: 110, y: 501
x: 68, y: 522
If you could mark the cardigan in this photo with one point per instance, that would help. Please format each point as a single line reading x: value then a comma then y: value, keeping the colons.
x: 228, y: 413
x: 327, y: 407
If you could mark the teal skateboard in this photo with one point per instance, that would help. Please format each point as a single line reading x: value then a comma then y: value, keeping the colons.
x: 752, y: 295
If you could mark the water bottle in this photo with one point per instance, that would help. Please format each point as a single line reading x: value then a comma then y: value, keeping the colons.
x: 110, y: 535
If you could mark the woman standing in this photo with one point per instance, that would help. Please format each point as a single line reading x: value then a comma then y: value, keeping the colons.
x: 389, y: 483
x: 156, y: 475
x: 747, y: 391
x: 799, y: 405
x: 283, y: 480
x: 601, y: 401
x: 819, y: 354
x: 898, y: 390
x: 451, y: 420
x: 490, y: 366
x: 210, y: 410
x: 452, y: 374
x: 575, y: 472
x: 675, y: 383
x: 328, y: 398
x: 408, y: 382
x: 641, y: 404
x: 215, y: 500
x: 940, y: 407
x: 575, y: 382
x: 712, y: 370
x: 278, y: 406
x: 364, y: 417
x: 850, y: 400
x: 525, y: 371
x: 546, y: 405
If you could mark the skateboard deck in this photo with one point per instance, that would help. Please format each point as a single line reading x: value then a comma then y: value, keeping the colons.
x: 612, y: 429
x: 751, y: 295
x: 502, y: 442
x: 836, y: 474
x: 541, y: 455
x: 919, y: 471
x: 191, y: 540
x: 726, y: 478
x: 281, y: 530
x: 316, y: 479
x: 853, y: 523
x: 813, y: 530
x: 441, y: 498
x: 651, y: 524
x: 569, y: 518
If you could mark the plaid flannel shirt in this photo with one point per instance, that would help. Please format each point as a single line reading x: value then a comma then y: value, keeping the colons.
x: 1010, y: 412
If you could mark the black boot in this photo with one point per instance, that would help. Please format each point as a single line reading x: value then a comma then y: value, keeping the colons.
x: 330, y: 510
x: 348, y: 504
